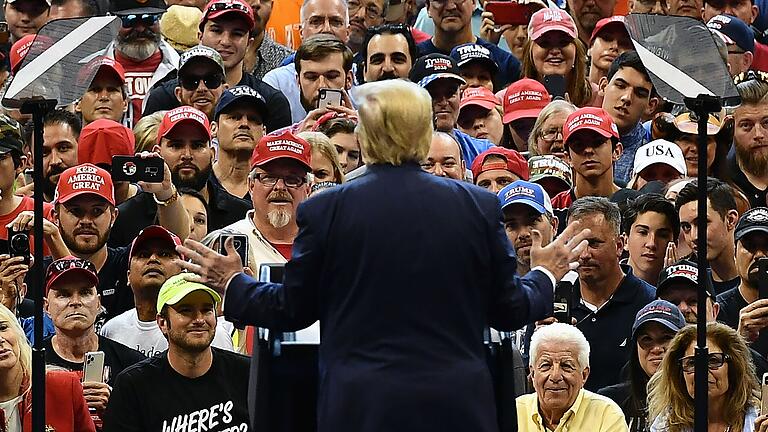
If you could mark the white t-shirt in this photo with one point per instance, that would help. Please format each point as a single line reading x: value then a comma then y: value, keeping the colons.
x: 10, y: 410
x: 146, y: 337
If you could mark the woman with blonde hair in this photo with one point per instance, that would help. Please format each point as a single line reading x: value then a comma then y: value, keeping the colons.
x: 553, y: 48
x: 65, y: 407
x: 326, y: 169
x: 145, y: 131
x: 733, y: 390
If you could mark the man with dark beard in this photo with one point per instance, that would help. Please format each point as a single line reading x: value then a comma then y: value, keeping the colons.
x: 184, y: 142
x: 85, y: 212
x: 190, y: 383
x: 146, y: 58
x: 748, y: 166
x: 388, y: 53
x: 278, y: 183
x: 61, y: 131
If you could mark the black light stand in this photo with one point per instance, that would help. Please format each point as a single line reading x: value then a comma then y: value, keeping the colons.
x: 38, y: 108
x: 702, y: 106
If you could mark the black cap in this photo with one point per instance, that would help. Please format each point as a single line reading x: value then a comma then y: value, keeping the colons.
x: 10, y: 136
x: 136, y: 7
x: 432, y: 67
x: 753, y: 220
x: 242, y: 93
x: 683, y: 272
x: 470, y: 52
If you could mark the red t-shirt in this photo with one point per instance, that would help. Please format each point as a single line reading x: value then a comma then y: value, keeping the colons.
x: 138, y: 76
x: 284, y: 249
x: 27, y: 203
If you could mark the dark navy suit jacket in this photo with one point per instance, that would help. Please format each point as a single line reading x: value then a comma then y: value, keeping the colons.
x: 404, y: 270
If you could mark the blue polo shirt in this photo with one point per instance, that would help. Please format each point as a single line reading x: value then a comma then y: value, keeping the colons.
x: 509, y: 65
x: 609, y: 330
x: 471, y: 147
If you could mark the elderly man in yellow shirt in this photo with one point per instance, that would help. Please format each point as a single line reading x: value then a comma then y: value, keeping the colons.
x: 559, y: 363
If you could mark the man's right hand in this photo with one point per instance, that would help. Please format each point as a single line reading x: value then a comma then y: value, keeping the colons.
x: 562, y: 255
x: 752, y: 319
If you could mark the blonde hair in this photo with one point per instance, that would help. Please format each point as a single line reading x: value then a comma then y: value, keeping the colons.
x: 668, y: 395
x: 578, y: 87
x: 552, y: 108
x: 25, y: 351
x: 322, y: 144
x: 145, y: 131
x: 395, y: 122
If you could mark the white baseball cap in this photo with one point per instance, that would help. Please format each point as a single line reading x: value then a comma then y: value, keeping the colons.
x: 659, y: 151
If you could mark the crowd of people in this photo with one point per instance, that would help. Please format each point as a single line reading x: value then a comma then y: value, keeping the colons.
x: 556, y: 119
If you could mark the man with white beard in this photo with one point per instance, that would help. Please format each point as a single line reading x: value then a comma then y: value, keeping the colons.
x: 749, y: 165
x: 278, y: 183
x: 138, y: 47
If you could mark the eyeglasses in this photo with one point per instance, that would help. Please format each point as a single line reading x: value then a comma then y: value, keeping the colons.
x: 147, y: 20
x: 371, y: 11
x: 443, y: 3
x: 270, y: 180
x: 193, y: 82
x: 714, y: 362
x: 317, y: 22
x: 66, y: 264
x: 552, y: 135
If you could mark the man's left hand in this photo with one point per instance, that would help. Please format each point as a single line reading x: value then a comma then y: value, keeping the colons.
x: 96, y: 395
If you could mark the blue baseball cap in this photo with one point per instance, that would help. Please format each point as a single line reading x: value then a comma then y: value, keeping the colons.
x: 530, y: 194
x: 662, y: 312
x: 734, y: 29
x: 238, y: 94
x: 426, y: 69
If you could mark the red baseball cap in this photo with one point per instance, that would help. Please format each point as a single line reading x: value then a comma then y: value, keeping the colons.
x: 283, y: 145
x: 525, y: 98
x: 217, y: 8
x: 180, y: 115
x: 84, y: 179
x: 590, y: 118
x: 102, y: 139
x: 154, y: 232
x: 612, y: 21
x: 19, y: 51
x: 515, y: 162
x: 101, y: 63
x: 70, y: 265
x: 479, y: 96
x: 551, y: 19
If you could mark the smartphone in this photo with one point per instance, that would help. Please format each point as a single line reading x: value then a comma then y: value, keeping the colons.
x: 764, y: 397
x: 329, y: 97
x: 272, y: 272
x: 508, y: 12
x: 93, y: 369
x: 555, y: 85
x: 241, y: 246
x: 563, y: 294
x: 133, y: 169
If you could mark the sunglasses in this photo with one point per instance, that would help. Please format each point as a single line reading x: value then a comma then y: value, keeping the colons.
x: 714, y: 362
x: 147, y: 20
x: 193, y: 82
x: 66, y: 264
x: 222, y: 6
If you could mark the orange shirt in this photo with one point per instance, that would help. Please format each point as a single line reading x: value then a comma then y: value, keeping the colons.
x: 284, y: 24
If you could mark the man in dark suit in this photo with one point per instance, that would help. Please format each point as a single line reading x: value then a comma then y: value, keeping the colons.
x: 404, y: 270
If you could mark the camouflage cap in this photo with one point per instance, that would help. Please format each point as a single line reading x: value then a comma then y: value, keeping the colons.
x: 200, y: 52
x: 10, y: 135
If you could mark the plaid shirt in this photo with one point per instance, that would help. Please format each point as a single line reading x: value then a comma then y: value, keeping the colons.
x: 269, y: 56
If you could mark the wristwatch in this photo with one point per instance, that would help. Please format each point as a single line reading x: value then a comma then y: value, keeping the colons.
x: 172, y: 199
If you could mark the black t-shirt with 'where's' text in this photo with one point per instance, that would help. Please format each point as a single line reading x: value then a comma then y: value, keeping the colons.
x: 152, y: 396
